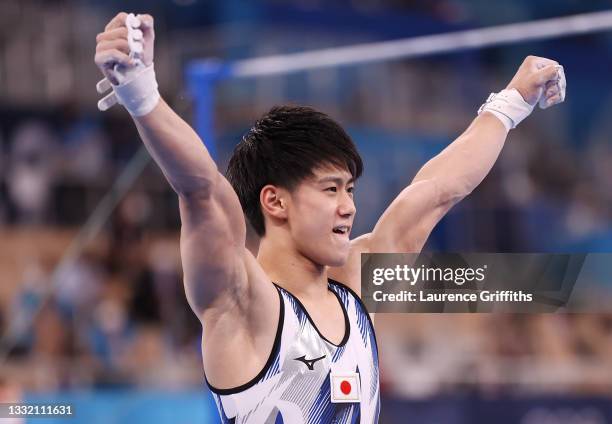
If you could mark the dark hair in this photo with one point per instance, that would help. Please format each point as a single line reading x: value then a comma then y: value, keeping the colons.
x: 283, y: 148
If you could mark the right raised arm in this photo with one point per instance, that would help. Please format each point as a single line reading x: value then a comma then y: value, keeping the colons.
x: 213, y: 227
x: 227, y: 289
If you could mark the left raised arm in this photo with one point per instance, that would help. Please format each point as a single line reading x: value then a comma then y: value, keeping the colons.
x: 461, y: 166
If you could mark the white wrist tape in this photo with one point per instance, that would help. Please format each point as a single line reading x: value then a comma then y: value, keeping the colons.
x: 508, y: 106
x: 139, y: 94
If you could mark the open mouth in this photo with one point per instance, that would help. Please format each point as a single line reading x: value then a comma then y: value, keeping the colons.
x: 341, y: 229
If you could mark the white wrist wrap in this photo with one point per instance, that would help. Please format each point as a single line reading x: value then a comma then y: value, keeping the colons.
x: 139, y: 94
x: 508, y: 106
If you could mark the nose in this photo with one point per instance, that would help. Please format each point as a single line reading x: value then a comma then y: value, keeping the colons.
x: 346, y: 205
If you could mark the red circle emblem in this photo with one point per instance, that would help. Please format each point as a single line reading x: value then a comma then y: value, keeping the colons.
x: 345, y: 387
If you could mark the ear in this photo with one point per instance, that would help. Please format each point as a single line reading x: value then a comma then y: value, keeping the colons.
x: 274, y: 201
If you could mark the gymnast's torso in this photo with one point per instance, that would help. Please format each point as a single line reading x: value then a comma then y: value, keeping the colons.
x: 307, y: 378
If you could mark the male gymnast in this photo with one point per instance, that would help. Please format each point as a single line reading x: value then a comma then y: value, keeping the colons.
x: 285, y: 336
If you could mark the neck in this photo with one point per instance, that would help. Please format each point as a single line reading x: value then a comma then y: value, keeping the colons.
x: 290, y: 269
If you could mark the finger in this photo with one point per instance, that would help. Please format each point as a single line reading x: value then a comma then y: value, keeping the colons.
x: 551, y: 83
x: 119, y: 44
x: 108, y: 58
x: 103, y: 85
x: 113, y: 34
x: 553, y: 100
x: 146, y: 21
x: 146, y: 25
x: 107, y: 102
x: 552, y: 90
x: 542, y: 62
x: 117, y: 21
x: 547, y: 73
x: 562, y: 82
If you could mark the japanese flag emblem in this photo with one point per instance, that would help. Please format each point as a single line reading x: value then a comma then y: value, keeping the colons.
x: 345, y: 387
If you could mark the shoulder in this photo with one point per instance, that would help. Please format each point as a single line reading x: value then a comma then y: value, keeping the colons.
x: 361, y: 244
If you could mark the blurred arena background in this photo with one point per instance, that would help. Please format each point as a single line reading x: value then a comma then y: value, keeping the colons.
x: 110, y: 330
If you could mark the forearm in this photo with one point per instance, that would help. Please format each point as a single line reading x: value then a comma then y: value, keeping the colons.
x: 178, y: 150
x: 462, y: 165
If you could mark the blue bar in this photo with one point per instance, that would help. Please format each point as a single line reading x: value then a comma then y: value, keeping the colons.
x: 201, y: 78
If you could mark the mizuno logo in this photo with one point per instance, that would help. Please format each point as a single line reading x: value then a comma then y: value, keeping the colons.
x: 308, y: 362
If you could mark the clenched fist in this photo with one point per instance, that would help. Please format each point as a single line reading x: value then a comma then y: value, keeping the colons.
x: 124, y: 54
x: 539, y: 79
x: 112, y: 47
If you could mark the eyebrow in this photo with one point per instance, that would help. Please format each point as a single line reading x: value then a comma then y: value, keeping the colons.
x: 335, y: 179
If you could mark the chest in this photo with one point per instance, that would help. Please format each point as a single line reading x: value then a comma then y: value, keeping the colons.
x: 328, y: 318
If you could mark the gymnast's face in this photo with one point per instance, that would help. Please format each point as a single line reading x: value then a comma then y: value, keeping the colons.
x: 320, y: 215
